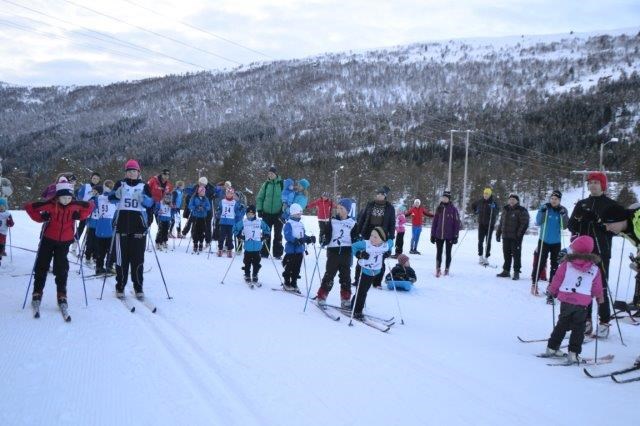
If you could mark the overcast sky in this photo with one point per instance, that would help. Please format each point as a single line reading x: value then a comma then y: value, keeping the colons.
x: 50, y: 42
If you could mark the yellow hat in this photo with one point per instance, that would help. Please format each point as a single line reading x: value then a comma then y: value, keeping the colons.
x: 487, y: 191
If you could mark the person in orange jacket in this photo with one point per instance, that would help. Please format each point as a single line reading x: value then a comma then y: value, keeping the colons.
x: 323, y: 205
x: 417, y: 213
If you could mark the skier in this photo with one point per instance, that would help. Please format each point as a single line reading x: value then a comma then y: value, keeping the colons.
x: 575, y: 283
x: 401, y: 220
x: 6, y: 222
x: 252, y: 231
x: 323, y: 205
x: 585, y: 220
x: 163, y: 210
x: 199, y: 206
x: 514, y: 222
x: 296, y: 239
x: 85, y: 193
x: 417, y: 213
x: 338, y: 242
x: 59, y: 215
x: 487, y: 211
x: 104, y: 230
x: 287, y: 195
x: 370, y: 254
x: 269, y: 208
x: 444, y: 230
x: 134, y: 200
x: 176, y: 206
x: 230, y: 211
x: 552, y: 218
x: 159, y: 186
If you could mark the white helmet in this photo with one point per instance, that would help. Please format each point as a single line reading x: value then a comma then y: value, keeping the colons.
x: 295, y: 209
x: 416, y: 201
x: 203, y: 181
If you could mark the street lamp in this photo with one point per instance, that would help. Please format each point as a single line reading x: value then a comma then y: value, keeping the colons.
x: 612, y: 140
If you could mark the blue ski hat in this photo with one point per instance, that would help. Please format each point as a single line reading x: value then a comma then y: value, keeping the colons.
x: 346, y: 203
x: 304, y: 183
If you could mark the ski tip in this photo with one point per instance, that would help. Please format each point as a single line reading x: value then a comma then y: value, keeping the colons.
x: 154, y: 310
x: 36, y: 315
x: 68, y: 319
x: 133, y: 309
x: 613, y: 377
x: 587, y: 372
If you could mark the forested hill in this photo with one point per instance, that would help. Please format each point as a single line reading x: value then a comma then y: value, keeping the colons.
x: 540, y: 107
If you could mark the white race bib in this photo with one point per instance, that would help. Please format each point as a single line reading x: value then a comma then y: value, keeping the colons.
x: 375, y: 256
x: 129, y: 199
x: 577, y: 281
x: 252, y: 229
x: 341, y: 232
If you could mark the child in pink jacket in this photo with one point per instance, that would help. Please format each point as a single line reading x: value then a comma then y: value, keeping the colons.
x: 575, y: 283
x: 401, y: 220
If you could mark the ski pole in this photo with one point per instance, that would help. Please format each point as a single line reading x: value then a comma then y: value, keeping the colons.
x: 353, y: 307
x: 228, y: 268
x: 306, y: 279
x: 109, y: 253
x: 264, y: 242
x: 155, y: 253
x: 84, y: 287
x: 460, y: 242
x: 10, y: 247
x: 313, y: 274
x: 624, y: 240
x: 540, y: 247
x: 395, y: 291
x: 44, y: 227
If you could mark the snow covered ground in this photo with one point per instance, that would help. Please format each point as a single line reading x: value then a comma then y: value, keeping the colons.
x: 222, y: 354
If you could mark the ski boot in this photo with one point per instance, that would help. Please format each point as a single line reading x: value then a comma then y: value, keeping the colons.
x: 504, y: 274
x: 219, y: 253
x: 438, y: 273
x: 446, y: 272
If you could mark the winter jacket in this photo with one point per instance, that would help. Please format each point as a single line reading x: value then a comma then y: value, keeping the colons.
x: 388, y: 222
x: 446, y: 222
x: 6, y: 222
x: 362, y: 246
x: 514, y: 222
x: 107, y: 209
x: 132, y: 221
x: 288, y: 193
x: 238, y: 212
x: 401, y: 220
x: 293, y: 232
x: 633, y: 229
x: 251, y: 243
x: 84, y: 192
x: 401, y: 273
x: 487, y: 211
x: 417, y: 215
x: 567, y: 291
x: 301, y: 199
x: 269, y: 198
x: 199, y: 206
x: 158, y: 188
x: 61, y: 219
x: 323, y: 206
x: 551, y: 221
x: 584, y: 221
x: 176, y: 198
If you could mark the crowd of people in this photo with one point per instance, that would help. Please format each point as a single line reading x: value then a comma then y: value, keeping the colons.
x: 117, y: 216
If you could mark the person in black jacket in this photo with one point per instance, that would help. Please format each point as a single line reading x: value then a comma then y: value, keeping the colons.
x: 585, y: 220
x: 378, y: 212
x: 514, y: 222
x: 487, y: 211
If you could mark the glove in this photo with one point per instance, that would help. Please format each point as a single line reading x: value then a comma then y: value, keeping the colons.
x: 386, y: 254
x: 544, y: 207
x: 75, y: 215
x: 563, y: 211
x: 241, y: 237
x: 45, y: 216
x: 498, y: 237
x: 311, y: 240
x: 119, y: 193
x: 362, y: 255
x: 455, y: 240
x: 433, y: 239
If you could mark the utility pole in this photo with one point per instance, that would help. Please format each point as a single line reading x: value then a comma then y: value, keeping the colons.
x: 464, y: 181
x: 335, y: 184
x: 450, y: 159
x: 612, y: 140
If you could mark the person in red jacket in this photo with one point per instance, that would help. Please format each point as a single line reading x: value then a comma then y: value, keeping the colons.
x: 159, y: 186
x: 324, y: 206
x: 417, y: 214
x: 59, y: 215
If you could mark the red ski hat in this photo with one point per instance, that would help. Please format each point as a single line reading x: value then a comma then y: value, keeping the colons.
x: 599, y: 176
x: 132, y: 165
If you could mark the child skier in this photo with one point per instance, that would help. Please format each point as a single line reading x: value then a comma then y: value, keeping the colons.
x: 199, y: 206
x: 417, y: 213
x: 575, y: 283
x: 90, y: 224
x: 338, y: 241
x: 323, y: 206
x: 444, y: 231
x: 252, y: 231
x: 163, y: 210
x: 402, y: 276
x: 294, y: 248
x: 176, y: 206
x: 370, y: 254
x: 59, y: 215
x: 229, y: 212
x: 134, y: 198
x: 287, y: 195
x: 6, y: 222
x: 104, y: 230
x: 401, y: 220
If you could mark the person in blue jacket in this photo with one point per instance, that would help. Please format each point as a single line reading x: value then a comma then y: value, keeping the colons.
x: 552, y: 218
x: 104, y: 230
x: 228, y: 213
x: 176, y: 205
x: 370, y: 254
x: 252, y: 231
x: 294, y: 249
x: 163, y: 211
x: 200, y: 206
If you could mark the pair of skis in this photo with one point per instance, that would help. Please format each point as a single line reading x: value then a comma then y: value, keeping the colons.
x: 131, y: 308
x: 605, y: 359
x: 63, y: 307
x: 252, y: 284
x: 614, y: 374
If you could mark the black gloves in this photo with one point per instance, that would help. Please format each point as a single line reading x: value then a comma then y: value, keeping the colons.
x: 544, y: 207
x: 310, y: 240
x: 386, y: 254
x: 362, y: 255
x: 433, y: 239
x: 45, y: 216
x: 498, y: 237
x: 455, y: 240
x: 240, y: 236
x: 75, y: 215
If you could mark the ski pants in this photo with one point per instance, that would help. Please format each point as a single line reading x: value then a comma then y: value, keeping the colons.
x: 325, y: 230
x: 545, y: 250
x: 198, y: 231
x: 604, y: 309
x: 440, y: 244
x: 130, y: 254
x: 48, y: 250
x: 572, y: 318
x: 103, y: 248
x: 226, y: 237
x: 251, y: 260
x: 399, y: 242
x: 80, y: 229
x: 163, y: 232
x: 362, y: 290
x: 512, y: 251
x: 292, y: 263
x: 207, y: 229
x: 377, y: 282
x: 416, y: 230
x: 275, y: 224
x: 175, y: 217
x: 338, y: 262
x: 484, y: 235
x: 90, y: 244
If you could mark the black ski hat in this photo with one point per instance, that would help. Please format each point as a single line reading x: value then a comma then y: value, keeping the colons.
x: 447, y: 194
x: 557, y: 193
x: 515, y: 196
x: 615, y: 213
x: 384, y: 190
x: 251, y: 209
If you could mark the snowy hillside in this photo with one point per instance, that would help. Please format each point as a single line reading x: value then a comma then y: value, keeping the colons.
x: 226, y: 355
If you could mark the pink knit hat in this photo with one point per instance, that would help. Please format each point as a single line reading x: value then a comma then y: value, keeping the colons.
x: 132, y: 165
x: 583, y: 244
x: 403, y: 259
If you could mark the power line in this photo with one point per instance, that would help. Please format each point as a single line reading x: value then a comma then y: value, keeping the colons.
x: 116, y: 40
x: 186, y: 24
x: 152, y: 32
